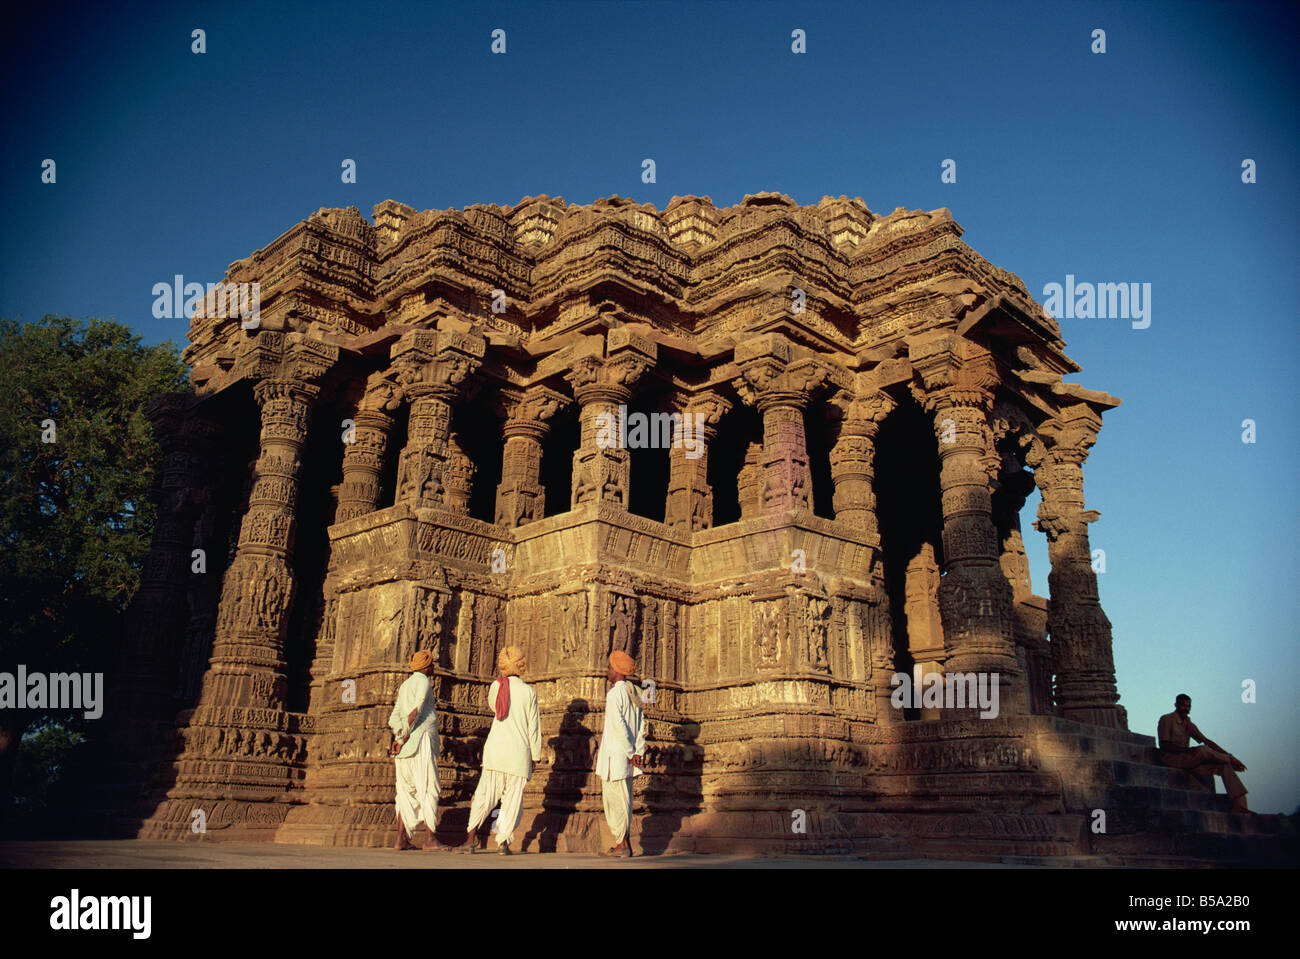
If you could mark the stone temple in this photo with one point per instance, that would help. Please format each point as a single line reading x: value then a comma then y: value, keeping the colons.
x: 409, y: 449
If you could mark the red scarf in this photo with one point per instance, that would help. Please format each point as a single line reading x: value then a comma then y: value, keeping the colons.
x: 503, y: 696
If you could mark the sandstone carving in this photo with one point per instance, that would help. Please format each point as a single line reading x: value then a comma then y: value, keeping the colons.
x: 847, y: 506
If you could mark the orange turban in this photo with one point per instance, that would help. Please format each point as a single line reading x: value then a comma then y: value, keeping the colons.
x: 622, y: 662
x: 511, y: 661
x: 421, y: 660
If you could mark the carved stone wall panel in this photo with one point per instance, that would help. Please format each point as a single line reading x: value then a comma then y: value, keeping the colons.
x: 375, y: 626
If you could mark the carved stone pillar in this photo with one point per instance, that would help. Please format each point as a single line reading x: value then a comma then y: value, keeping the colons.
x: 248, y: 666
x: 458, y: 477
x: 974, y: 597
x: 1032, y: 647
x: 925, y: 640
x: 690, y: 497
x: 749, y: 482
x: 1080, y: 632
x: 853, y: 469
x: 433, y: 365
x: 211, y: 533
x: 323, y: 659
x: 602, y: 386
x: 787, y: 482
x: 780, y: 386
x: 878, y: 627
x: 521, y: 498
x: 240, y: 731
x: 1013, y: 489
x: 363, y: 459
x: 156, y: 620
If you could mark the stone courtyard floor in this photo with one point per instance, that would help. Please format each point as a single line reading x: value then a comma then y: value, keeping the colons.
x: 147, y: 854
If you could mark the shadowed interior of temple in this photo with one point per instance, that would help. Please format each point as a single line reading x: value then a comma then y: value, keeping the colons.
x: 911, y: 518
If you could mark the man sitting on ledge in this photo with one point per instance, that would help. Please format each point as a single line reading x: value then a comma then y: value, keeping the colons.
x: 1211, y: 759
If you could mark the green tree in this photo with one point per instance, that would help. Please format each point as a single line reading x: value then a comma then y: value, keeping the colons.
x: 77, y: 462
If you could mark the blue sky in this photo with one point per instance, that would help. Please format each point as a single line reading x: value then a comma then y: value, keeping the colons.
x: 1118, y: 167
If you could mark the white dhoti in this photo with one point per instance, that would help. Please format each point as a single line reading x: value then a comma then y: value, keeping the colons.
x: 617, y: 794
x: 495, y: 786
x: 417, y: 788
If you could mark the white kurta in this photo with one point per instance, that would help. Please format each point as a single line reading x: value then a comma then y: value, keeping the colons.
x: 415, y: 693
x: 513, y: 745
x: 416, y: 763
x: 623, y: 738
x: 624, y: 735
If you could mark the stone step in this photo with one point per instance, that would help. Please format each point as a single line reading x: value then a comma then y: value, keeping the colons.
x: 1061, y: 862
x: 1071, y: 727
x: 966, y: 836
x: 1220, y: 848
x: 1070, y: 746
x: 1144, y: 818
x: 1168, y: 798
x: 1125, y: 773
x: 1157, y: 797
x: 1119, y: 796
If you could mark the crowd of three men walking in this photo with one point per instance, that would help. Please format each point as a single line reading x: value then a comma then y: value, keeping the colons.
x: 511, y: 752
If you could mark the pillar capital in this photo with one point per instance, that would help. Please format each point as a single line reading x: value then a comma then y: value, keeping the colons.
x: 527, y: 412
x: 953, y: 372
x: 436, y: 363
x: 169, y: 413
x: 381, y: 395
x: 286, y: 412
x: 275, y: 393
x: 707, y: 407
x: 860, y: 414
x: 1071, y: 433
x: 609, y: 379
x: 772, y: 375
x: 288, y: 357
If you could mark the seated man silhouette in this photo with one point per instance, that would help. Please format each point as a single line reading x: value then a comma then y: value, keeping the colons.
x: 1210, y: 759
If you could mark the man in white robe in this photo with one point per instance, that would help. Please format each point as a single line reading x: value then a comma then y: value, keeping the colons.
x: 414, y: 722
x: 513, y: 748
x: 620, y: 758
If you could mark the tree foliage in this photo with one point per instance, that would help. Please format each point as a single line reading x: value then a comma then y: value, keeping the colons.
x: 75, y: 514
